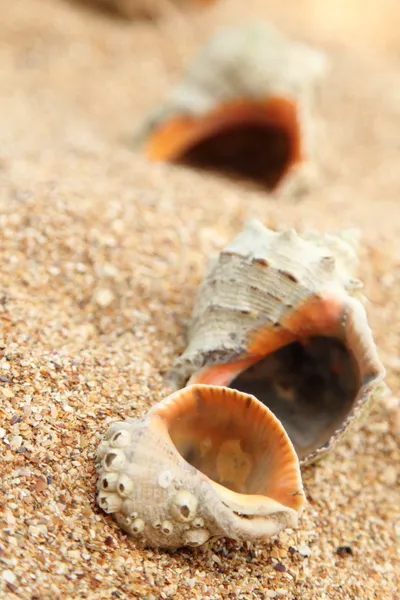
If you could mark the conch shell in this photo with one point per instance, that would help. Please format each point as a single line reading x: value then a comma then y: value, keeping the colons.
x: 279, y: 315
x: 206, y: 462
x: 245, y: 107
x: 144, y: 9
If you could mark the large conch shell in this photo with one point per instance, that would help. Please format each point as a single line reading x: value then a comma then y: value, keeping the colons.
x: 279, y: 315
x: 207, y: 462
x: 245, y: 106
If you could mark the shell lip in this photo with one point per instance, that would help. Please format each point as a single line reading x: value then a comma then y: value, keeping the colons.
x: 257, y: 505
x: 256, y: 517
x: 170, y: 411
x: 352, y: 328
x: 320, y: 314
x: 176, y: 138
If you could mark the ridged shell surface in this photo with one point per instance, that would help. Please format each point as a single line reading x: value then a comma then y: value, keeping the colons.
x: 267, y: 290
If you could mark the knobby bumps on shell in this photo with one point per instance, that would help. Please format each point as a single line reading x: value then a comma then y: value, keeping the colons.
x: 280, y: 364
x: 205, y: 463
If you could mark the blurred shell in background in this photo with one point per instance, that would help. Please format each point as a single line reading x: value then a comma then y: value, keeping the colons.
x: 145, y: 9
x: 280, y: 315
x: 206, y: 462
x: 245, y: 107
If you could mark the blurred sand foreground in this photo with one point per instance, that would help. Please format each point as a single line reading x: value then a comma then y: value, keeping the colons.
x: 101, y: 255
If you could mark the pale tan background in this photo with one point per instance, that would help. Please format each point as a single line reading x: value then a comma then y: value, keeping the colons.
x: 95, y: 293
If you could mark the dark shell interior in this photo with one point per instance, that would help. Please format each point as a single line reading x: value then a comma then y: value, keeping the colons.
x: 251, y: 151
x: 310, y: 386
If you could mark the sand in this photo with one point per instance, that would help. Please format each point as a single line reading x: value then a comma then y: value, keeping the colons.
x: 101, y: 256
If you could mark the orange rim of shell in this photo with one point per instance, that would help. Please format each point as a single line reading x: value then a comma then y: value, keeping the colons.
x: 320, y: 315
x: 171, y: 140
x: 213, y: 414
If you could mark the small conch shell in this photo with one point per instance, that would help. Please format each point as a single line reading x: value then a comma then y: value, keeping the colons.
x: 279, y: 315
x: 245, y: 106
x: 206, y: 462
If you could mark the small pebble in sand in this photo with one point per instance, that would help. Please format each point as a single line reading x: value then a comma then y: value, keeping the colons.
x: 103, y: 297
x: 304, y: 550
x: 395, y: 423
x: 344, y: 551
x: 41, y: 485
x: 8, y: 576
x: 389, y: 475
x: 15, y: 442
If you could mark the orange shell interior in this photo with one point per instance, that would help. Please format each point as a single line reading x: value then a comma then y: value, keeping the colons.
x: 178, y: 138
x: 319, y: 315
x: 234, y: 440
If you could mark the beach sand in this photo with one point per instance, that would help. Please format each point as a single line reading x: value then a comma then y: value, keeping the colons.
x: 101, y: 256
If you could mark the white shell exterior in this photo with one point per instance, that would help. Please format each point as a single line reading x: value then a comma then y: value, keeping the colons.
x: 251, y: 61
x: 163, y: 501
x: 235, y: 299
